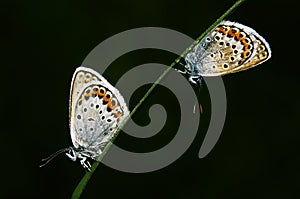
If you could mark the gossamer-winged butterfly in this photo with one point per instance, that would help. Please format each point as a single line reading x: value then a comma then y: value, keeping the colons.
x: 229, y: 48
x: 96, y: 111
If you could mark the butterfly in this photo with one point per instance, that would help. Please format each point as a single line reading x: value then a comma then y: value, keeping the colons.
x: 229, y: 48
x: 96, y: 111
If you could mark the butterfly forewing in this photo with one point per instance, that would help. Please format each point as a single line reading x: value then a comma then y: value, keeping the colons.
x: 96, y: 111
x: 231, y: 47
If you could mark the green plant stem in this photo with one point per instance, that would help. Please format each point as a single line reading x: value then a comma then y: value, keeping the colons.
x: 80, y: 187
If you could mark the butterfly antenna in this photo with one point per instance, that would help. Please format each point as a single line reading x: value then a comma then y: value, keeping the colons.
x: 48, y: 159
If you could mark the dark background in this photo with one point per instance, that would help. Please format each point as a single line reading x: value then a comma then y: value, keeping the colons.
x: 257, y: 155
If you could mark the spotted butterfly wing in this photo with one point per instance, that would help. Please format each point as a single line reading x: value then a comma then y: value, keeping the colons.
x: 96, y: 111
x: 231, y: 47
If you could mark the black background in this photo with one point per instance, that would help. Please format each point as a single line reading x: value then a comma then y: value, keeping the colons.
x: 43, y: 42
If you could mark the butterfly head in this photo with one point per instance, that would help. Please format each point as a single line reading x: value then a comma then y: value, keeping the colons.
x: 72, y: 154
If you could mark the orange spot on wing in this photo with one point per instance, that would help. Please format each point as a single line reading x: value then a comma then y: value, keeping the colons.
x: 99, y: 93
x: 230, y: 33
x: 238, y: 37
x: 118, y: 115
x: 105, y: 99
x: 110, y: 106
x: 245, y: 54
x: 244, y: 42
x: 221, y: 30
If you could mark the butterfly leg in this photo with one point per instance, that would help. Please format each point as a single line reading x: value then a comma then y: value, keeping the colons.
x: 184, y: 68
x: 84, y: 162
x: 195, y: 78
x: 88, y: 165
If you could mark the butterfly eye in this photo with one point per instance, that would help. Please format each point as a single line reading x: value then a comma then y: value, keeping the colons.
x: 71, y: 152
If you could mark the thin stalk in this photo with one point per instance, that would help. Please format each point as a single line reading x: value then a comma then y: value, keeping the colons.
x: 80, y: 187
